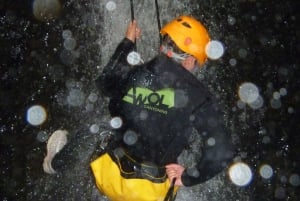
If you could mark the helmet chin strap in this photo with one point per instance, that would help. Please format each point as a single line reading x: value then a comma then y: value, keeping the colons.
x: 170, y: 53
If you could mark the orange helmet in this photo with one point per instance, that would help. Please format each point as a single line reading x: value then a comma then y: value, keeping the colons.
x: 189, y: 35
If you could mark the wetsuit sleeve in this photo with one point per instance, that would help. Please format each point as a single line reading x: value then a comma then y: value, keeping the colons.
x: 218, y: 150
x: 116, y: 69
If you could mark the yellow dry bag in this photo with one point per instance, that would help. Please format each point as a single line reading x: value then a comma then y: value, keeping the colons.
x: 139, y: 182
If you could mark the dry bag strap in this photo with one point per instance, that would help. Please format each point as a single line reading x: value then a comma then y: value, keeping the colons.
x: 170, y: 194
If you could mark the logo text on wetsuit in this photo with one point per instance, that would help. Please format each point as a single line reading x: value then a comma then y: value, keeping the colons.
x: 158, y: 101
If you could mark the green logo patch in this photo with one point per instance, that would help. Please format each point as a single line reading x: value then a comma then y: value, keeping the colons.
x: 159, y: 101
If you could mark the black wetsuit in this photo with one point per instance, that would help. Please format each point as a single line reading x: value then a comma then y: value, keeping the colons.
x: 161, y: 102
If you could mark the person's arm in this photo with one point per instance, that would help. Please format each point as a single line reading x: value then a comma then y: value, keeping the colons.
x: 117, y: 67
x: 218, y: 150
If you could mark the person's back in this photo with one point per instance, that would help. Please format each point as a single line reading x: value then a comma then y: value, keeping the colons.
x: 161, y: 103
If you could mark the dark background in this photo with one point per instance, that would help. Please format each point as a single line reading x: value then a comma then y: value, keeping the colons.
x: 35, y: 69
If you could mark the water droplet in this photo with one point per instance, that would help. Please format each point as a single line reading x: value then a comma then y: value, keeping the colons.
x: 36, y: 115
x: 70, y: 43
x: 211, y: 141
x: 232, y: 62
x: 75, y: 97
x: 258, y: 103
x: 214, y: 49
x: 290, y: 110
x: 42, y: 136
x: 294, y: 180
x: 242, y: 53
x: 94, y: 128
x: 130, y: 137
x: 276, y: 95
x: 266, y: 171
x: 241, y: 104
x: 66, y: 34
x: 231, y: 20
x: 248, y: 92
x: 93, y: 97
x: 276, y: 104
x: 134, y: 58
x: 283, y: 91
x: 266, y: 140
x: 116, y: 122
x: 240, y: 174
x: 110, y: 6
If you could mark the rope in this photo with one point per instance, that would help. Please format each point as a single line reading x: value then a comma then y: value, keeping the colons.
x: 158, y: 21
x: 132, y: 10
x: 170, y: 194
x: 132, y: 18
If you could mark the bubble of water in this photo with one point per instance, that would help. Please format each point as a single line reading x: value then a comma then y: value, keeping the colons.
x: 232, y: 62
x: 276, y: 95
x: 110, y: 6
x: 276, y: 104
x: 116, y: 122
x: 266, y: 171
x: 294, y: 180
x: 181, y: 99
x: 89, y: 107
x: 258, y: 103
x: 93, y: 97
x: 75, y: 97
x: 280, y: 193
x: 134, y: 58
x: 214, y: 49
x: 36, y: 115
x: 241, y: 104
x: 242, y: 53
x: 240, y: 174
x: 231, y: 20
x: 283, y: 91
x: 248, y: 92
x: 70, y: 43
x: 266, y: 140
x: 67, y: 34
x: 42, y: 136
x: 143, y: 115
x: 211, y: 141
x: 130, y: 137
x: 283, y: 179
x: 290, y: 110
x: 94, y: 128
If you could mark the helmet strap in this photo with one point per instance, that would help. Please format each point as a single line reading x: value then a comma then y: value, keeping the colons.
x: 170, y: 53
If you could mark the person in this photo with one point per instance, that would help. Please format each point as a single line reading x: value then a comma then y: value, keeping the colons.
x: 161, y: 103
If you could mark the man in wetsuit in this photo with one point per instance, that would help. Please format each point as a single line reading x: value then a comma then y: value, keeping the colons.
x: 161, y: 103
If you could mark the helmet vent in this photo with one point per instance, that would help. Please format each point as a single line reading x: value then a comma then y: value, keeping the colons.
x: 179, y: 20
x: 186, y: 25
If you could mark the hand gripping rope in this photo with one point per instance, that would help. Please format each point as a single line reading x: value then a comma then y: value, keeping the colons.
x: 134, y: 57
